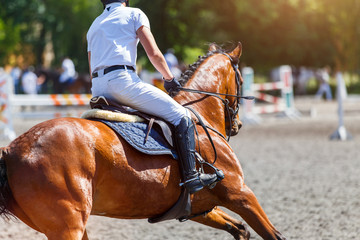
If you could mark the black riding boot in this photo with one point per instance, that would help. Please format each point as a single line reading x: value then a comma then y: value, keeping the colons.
x: 185, y: 142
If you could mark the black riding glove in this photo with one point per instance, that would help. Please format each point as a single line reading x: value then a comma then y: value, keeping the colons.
x: 172, y: 86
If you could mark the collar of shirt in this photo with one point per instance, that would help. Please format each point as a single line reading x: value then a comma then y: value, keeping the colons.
x: 114, y: 4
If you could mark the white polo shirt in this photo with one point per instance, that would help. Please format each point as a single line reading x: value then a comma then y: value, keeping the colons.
x: 112, y: 38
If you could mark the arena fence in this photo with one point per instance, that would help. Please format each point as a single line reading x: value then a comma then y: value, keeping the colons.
x: 251, y: 110
x: 34, y: 106
x: 6, y: 125
x: 42, y: 106
x: 50, y: 99
x: 283, y: 104
x: 341, y: 133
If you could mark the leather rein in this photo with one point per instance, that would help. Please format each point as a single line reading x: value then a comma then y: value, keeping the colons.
x: 231, y: 110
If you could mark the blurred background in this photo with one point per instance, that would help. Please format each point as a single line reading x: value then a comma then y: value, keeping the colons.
x: 309, y: 186
x: 300, y: 33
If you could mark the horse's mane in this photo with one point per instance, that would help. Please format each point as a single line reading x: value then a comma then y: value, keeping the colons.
x: 189, y: 72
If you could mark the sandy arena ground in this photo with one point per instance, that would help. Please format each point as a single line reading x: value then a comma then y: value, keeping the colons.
x: 308, y: 185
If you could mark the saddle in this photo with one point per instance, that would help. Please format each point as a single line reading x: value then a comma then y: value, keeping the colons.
x: 100, y: 102
x: 181, y: 210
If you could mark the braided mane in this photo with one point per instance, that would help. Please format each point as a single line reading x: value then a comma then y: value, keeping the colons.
x: 186, y: 76
x: 190, y: 71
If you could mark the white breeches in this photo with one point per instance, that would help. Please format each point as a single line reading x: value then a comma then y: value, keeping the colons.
x: 125, y: 87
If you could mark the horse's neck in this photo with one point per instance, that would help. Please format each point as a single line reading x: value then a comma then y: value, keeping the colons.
x: 207, y: 78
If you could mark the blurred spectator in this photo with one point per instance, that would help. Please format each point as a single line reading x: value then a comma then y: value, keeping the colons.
x: 29, y: 81
x: 41, y: 82
x: 68, y: 74
x: 172, y: 62
x: 52, y: 80
x: 16, y: 75
x: 322, y: 75
x: 302, y: 79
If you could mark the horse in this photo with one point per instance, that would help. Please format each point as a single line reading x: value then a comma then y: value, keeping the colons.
x: 61, y: 171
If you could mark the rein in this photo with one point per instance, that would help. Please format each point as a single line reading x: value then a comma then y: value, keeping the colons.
x: 215, y: 94
x: 232, y: 110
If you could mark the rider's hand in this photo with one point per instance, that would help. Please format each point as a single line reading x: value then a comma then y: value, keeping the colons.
x: 172, y: 86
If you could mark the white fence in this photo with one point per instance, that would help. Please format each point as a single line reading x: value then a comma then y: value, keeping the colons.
x: 273, y: 104
x: 251, y: 112
x: 16, y: 105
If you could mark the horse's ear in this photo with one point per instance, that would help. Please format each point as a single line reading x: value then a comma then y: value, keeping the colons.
x: 236, y: 53
x: 212, y: 47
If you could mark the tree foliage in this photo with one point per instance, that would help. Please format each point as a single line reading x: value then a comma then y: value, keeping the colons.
x: 298, y: 32
x: 31, y: 24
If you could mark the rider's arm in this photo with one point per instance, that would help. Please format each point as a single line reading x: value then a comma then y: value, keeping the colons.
x: 153, y: 52
x: 89, y: 58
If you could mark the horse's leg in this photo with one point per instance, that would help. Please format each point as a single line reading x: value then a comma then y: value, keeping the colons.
x: 243, y: 202
x: 220, y: 220
x: 85, y: 236
x: 20, y: 214
x: 65, y: 218
x: 60, y: 212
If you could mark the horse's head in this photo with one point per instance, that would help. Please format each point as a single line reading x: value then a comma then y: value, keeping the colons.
x: 236, y: 122
x: 234, y: 82
x: 215, y: 83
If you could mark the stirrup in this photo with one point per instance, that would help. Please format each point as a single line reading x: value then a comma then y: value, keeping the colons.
x: 217, y: 177
x: 196, y: 183
x: 189, y: 181
x: 193, y: 185
x: 219, y: 173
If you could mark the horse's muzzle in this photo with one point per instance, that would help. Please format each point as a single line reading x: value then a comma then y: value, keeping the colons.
x: 237, y: 124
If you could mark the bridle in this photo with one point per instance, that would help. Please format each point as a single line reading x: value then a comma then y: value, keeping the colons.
x: 231, y: 110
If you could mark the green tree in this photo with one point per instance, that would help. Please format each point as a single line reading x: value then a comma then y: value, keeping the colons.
x: 31, y: 24
x: 14, y: 17
x: 297, y: 32
x: 65, y: 24
x: 342, y: 20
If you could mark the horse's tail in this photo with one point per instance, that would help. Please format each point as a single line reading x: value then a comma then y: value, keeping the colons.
x: 5, y: 192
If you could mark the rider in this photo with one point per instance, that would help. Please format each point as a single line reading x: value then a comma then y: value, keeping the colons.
x: 68, y: 75
x: 112, y: 51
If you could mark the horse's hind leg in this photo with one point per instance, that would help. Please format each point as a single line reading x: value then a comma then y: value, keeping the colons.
x: 61, y: 213
x: 62, y: 220
x: 220, y: 220
x: 244, y: 203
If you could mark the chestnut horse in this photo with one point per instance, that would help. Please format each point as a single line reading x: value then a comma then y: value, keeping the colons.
x: 61, y: 171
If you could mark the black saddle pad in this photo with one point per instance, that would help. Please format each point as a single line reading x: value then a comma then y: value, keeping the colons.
x: 135, y: 135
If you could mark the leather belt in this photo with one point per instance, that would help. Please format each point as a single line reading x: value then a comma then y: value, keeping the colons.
x: 113, y: 68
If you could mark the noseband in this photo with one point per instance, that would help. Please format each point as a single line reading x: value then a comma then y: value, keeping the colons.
x: 233, y: 109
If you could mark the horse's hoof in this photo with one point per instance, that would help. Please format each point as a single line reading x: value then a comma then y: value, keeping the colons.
x: 244, y: 232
